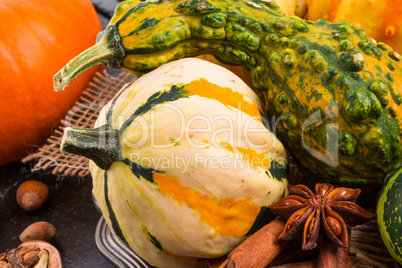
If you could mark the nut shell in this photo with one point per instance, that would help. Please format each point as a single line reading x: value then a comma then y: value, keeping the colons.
x: 40, y: 230
x: 32, y: 194
x: 54, y: 255
x: 35, y: 252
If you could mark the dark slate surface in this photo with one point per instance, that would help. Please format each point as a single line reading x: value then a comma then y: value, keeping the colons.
x: 69, y: 207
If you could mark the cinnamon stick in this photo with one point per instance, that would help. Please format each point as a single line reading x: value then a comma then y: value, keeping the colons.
x: 294, y: 254
x: 332, y: 256
x: 258, y: 250
x: 328, y: 252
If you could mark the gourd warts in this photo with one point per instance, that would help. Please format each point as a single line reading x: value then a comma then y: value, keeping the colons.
x: 345, y: 29
x: 345, y: 45
x: 331, y: 75
x: 380, y: 89
x: 289, y: 60
x: 354, y: 61
x: 207, y: 32
x: 299, y: 26
x: 395, y: 95
x: 197, y: 7
x: 394, y: 55
x: 316, y: 61
x: 242, y: 37
x: 236, y: 56
x: 270, y: 4
x: 214, y: 20
x: 346, y: 143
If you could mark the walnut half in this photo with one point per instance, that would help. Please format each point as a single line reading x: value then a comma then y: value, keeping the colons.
x: 31, y: 254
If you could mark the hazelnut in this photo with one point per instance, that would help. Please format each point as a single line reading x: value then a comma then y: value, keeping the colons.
x: 31, y: 195
x: 40, y: 230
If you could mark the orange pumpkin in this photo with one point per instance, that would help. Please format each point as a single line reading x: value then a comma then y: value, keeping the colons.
x: 37, y: 38
x: 381, y: 19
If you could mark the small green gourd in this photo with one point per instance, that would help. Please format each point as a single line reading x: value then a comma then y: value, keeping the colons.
x: 389, y: 214
x: 333, y: 93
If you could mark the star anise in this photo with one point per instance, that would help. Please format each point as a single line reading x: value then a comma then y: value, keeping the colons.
x: 332, y: 208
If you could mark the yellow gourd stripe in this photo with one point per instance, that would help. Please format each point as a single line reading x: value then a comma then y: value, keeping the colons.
x: 227, y: 146
x: 224, y: 95
x: 249, y: 155
x: 254, y: 158
x: 228, y: 217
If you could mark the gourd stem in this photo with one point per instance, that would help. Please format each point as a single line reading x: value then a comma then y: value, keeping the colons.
x: 108, y: 50
x: 101, y: 145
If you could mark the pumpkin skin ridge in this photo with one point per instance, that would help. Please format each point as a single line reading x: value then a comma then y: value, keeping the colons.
x: 15, y: 133
x: 37, y: 119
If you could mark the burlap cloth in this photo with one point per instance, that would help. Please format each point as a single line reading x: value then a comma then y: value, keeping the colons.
x: 366, y: 247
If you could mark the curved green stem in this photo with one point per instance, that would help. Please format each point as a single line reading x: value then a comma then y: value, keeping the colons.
x: 108, y: 50
x: 101, y: 145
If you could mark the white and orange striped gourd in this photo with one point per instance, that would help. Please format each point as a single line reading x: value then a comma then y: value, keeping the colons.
x: 192, y: 166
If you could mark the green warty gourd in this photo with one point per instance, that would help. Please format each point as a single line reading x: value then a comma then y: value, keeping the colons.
x: 334, y: 94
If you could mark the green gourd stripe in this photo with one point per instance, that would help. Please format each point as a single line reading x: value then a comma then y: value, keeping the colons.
x: 160, y: 97
x: 389, y: 216
x: 278, y: 170
x: 109, y: 113
x: 115, y: 224
x: 131, y: 11
x: 140, y: 171
x: 154, y: 241
x: 134, y: 9
x: 148, y: 22
x: 150, y: 50
x: 394, y: 225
